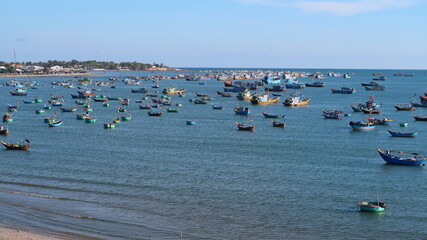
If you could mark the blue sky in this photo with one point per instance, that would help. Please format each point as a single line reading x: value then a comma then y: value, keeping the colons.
x: 220, y: 33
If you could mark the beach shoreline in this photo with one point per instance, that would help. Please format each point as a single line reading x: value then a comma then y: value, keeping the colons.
x: 13, y: 233
x: 47, y: 75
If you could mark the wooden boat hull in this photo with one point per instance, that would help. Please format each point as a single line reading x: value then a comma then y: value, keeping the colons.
x: 404, y: 108
x: 372, y: 206
x: 403, y: 134
x: 11, y: 146
x: 303, y: 102
x: 391, y: 159
x: 272, y: 101
x: 420, y: 118
x: 358, y: 126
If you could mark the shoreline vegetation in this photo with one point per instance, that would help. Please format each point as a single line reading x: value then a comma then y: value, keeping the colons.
x: 74, y: 68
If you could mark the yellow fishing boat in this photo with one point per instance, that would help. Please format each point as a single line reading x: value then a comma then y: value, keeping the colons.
x: 296, y: 100
x: 264, y: 99
x: 173, y: 90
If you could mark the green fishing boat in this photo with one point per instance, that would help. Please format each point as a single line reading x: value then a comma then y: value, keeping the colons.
x: 40, y: 111
x: 109, y: 125
x: 126, y: 118
x: 116, y: 120
x: 90, y: 120
x: 372, y: 206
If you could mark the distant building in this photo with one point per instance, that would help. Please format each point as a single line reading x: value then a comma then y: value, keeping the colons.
x: 56, y: 68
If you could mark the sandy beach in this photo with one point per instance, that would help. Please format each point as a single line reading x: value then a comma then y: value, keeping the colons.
x: 8, y: 233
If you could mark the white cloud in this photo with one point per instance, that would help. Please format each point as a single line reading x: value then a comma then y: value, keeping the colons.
x: 352, y: 8
x: 340, y: 8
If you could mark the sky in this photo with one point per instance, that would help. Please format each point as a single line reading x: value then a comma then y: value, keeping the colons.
x: 367, y: 34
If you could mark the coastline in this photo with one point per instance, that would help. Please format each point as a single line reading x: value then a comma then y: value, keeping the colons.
x: 11, y: 233
x: 47, y: 75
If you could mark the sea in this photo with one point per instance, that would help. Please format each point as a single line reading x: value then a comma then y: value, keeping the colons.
x: 159, y: 178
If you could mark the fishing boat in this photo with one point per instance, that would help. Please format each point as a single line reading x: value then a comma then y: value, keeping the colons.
x: 116, y: 119
x: 370, y: 110
x: 264, y: 99
x: 374, y: 88
x: 344, y: 90
x: 100, y: 99
x: 18, y: 93
x: 379, y: 121
x: 55, y: 123
x: 200, y: 101
x: 12, y: 108
x: 267, y: 115
x: 109, y: 125
x: 24, y: 145
x: 403, y: 134
x: 275, y: 88
x: 82, y: 116
x: 126, y: 118
x: 3, y: 130
x: 139, y: 90
x: 190, y: 122
x: 242, y: 110
x: 106, y: 104
x: 278, y: 123
x: 412, y: 159
x: 217, y: 107
x: 315, y: 84
x: 90, y: 119
x: 362, y: 125
x: 174, y: 110
x: 39, y: 111
x: 28, y: 101
x: 296, y: 99
x: 370, y: 84
x: 245, y: 127
x: 294, y: 85
x: 144, y: 106
x: 245, y: 95
x: 404, y: 107
x: 420, y: 118
x: 173, y: 90
x: 7, y: 118
x: 38, y: 100
x: 68, y: 109
x: 121, y: 109
x: 225, y: 94
x: 47, y: 106
x: 332, y: 114
x: 372, y: 206
x: 154, y: 114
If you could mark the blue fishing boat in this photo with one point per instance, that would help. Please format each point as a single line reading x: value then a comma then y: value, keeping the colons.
x: 415, y: 159
x: 272, y: 79
x: 242, y: 110
x: 403, y: 134
x: 344, y: 90
x: 191, y: 122
x: 362, y: 126
x: 217, y: 107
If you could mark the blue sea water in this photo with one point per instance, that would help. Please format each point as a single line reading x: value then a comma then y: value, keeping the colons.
x: 158, y: 178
